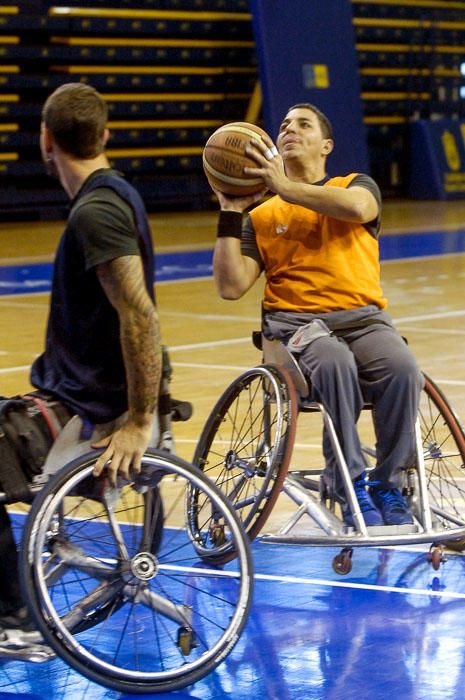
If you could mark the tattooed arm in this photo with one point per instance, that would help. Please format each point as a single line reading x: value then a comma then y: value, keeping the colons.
x: 123, y: 282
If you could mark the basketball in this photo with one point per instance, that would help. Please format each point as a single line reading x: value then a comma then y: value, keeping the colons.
x: 224, y: 159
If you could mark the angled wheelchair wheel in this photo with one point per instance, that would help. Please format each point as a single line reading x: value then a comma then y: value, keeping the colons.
x: 245, y: 448
x: 443, y: 441
x: 116, y: 586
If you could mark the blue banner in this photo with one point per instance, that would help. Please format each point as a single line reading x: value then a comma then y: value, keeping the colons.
x: 306, y: 53
x: 437, y: 162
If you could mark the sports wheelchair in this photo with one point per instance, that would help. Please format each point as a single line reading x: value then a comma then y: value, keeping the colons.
x: 115, y: 583
x: 247, y: 444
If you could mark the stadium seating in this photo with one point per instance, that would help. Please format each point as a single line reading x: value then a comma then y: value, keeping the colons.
x: 172, y: 71
x: 410, y: 53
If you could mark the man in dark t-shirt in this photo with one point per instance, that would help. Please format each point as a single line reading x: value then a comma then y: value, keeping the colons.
x: 79, y: 364
x: 102, y: 357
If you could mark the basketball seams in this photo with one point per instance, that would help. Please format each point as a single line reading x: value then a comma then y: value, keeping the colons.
x: 222, y: 177
x: 235, y: 128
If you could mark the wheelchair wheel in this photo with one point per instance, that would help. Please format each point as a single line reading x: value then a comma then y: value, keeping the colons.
x: 444, y: 453
x: 245, y: 448
x: 122, y: 605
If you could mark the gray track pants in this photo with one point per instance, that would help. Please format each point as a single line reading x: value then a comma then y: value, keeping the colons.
x: 362, y: 358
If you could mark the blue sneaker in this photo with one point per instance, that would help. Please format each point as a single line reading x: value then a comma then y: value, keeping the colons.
x: 371, y: 514
x: 392, y: 506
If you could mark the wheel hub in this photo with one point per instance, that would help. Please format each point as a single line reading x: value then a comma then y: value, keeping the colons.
x: 144, y: 566
x: 232, y: 461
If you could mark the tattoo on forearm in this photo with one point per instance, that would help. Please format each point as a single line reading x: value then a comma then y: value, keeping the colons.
x: 124, y: 284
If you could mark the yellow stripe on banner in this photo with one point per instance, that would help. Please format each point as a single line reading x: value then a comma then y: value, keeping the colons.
x: 153, y: 152
x: 8, y: 10
x: 169, y: 97
x: 8, y: 156
x: 414, y: 3
x: 9, y: 127
x: 381, y: 22
x: 386, y: 72
x: 178, y: 43
x: 408, y: 23
x: 450, y: 25
x: 386, y: 120
x: 9, y: 69
x: 439, y: 48
x: 404, y: 48
x: 9, y: 39
x: 149, y: 14
x: 396, y: 95
x: 171, y: 124
x: 162, y: 70
x: 9, y: 98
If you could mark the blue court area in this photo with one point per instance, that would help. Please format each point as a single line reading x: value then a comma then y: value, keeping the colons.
x: 27, y: 278
x: 392, y: 628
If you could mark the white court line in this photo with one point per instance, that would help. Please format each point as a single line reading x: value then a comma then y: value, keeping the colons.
x: 430, y: 317
x: 209, y: 317
x: 19, y: 368
x: 242, y: 368
x: 205, y: 365
x: 450, y: 382
x: 360, y: 586
x: 227, y: 368
x: 317, y: 582
x: 434, y: 331
x: 210, y: 344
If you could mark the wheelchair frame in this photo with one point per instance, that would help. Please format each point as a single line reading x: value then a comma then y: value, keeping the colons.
x: 438, y: 521
x: 122, y: 603
x: 113, y: 580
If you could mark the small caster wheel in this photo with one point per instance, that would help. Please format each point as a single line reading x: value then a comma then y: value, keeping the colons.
x: 342, y: 562
x: 436, y: 556
x: 186, y: 640
x: 217, y: 536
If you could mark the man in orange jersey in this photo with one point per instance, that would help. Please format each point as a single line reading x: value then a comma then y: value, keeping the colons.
x: 316, y: 242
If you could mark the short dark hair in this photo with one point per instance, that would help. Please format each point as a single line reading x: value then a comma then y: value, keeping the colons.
x: 325, y: 124
x: 76, y: 116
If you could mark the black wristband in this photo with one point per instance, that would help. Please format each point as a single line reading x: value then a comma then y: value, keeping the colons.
x: 229, y: 224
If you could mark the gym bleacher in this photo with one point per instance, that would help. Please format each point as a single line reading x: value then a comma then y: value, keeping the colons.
x: 172, y: 71
x: 410, y: 53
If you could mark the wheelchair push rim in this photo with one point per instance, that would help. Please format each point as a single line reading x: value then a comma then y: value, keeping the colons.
x: 245, y: 448
x: 156, y: 618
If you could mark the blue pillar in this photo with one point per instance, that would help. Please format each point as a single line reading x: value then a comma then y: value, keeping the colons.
x: 306, y: 53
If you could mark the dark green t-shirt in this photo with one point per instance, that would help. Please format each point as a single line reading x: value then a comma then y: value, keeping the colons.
x: 82, y: 364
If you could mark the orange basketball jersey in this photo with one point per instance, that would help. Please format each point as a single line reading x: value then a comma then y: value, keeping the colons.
x: 315, y: 263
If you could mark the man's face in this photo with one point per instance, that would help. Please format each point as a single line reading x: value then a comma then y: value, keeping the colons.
x: 300, y: 136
